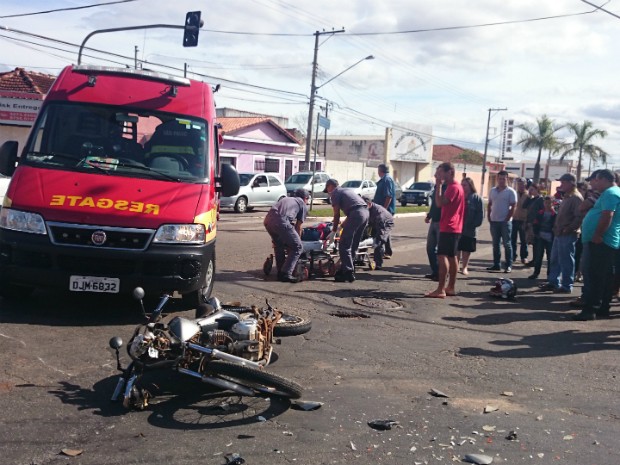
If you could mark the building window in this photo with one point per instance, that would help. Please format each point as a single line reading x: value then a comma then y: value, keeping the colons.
x: 272, y: 165
x: 259, y: 165
x: 229, y: 160
x: 303, y: 166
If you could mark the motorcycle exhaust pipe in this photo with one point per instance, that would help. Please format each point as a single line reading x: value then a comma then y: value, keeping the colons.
x: 224, y: 356
x: 220, y: 383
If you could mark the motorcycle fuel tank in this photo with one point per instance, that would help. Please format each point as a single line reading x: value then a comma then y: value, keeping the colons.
x: 183, y: 328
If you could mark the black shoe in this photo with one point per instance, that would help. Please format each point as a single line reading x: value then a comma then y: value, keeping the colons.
x: 432, y: 276
x: 584, y: 316
x: 533, y: 276
x: 288, y: 279
x: 344, y: 276
x: 493, y: 268
x: 529, y: 264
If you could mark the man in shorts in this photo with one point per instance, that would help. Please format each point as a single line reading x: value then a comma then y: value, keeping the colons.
x: 452, y: 203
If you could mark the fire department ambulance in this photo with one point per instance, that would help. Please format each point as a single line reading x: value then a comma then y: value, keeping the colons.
x: 115, y: 188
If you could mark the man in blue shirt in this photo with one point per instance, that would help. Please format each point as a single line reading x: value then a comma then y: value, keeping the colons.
x: 600, y: 234
x: 385, y: 195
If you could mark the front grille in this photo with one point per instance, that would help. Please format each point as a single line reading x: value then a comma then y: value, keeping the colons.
x: 100, y: 267
x: 115, y: 238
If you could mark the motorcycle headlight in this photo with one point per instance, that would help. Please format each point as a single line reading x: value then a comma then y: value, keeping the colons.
x: 17, y: 220
x: 180, y: 233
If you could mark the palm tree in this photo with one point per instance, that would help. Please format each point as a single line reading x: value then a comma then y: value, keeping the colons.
x: 584, y: 135
x: 539, y: 136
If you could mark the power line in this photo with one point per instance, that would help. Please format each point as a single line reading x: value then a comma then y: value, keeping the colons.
x: 414, y: 31
x: 19, y: 15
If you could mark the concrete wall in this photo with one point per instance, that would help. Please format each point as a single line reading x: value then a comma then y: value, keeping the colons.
x: 18, y: 133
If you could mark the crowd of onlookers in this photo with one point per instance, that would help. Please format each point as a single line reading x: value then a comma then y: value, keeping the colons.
x: 576, y: 230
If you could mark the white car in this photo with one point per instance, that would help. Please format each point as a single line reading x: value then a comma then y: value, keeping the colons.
x: 361, y: 186
x: 256, y: 190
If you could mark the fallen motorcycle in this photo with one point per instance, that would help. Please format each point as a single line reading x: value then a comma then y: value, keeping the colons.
x: 226, y: 346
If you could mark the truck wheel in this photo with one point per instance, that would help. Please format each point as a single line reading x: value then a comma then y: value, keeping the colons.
x: 403, y: 202
x: 199, y: 296
x: 10, y: 291
x: 241, y: 206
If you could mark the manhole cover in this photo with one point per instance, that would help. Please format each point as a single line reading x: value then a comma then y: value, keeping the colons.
x: 341, y: 314
x: 377, y: 302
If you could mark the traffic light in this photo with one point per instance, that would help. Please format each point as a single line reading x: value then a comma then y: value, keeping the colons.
x: 192, y: 27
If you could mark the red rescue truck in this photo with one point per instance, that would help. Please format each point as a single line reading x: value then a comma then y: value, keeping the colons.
x: 117, y: 187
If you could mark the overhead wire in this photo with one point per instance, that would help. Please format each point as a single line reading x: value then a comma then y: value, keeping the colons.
x: 56, y: 10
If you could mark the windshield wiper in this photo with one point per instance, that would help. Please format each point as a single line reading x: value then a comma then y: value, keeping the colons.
x: 142, y: 167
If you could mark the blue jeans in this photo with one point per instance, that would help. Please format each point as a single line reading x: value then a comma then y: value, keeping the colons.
x: 563, y: 261
x: 502, y: 231
x: 432, y: 239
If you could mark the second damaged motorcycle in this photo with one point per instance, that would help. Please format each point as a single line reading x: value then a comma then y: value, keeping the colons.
x: 224, y: 346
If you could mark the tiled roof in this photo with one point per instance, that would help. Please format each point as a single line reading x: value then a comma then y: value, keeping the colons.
x: 20, y: 80
x: 451, y: 152
x: 233, y: 124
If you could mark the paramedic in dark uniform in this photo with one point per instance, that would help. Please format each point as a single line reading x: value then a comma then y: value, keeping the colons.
x: 356, y: 211
x: 283, y: 223
x: 381, y: 222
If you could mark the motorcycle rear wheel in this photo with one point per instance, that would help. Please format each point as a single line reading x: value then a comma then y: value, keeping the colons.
x: 261, y: 382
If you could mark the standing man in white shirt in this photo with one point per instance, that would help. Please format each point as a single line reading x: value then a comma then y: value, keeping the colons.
x: 501, y: 206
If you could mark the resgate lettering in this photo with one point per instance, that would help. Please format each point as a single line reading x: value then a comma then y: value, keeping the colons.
x: 104, y: 204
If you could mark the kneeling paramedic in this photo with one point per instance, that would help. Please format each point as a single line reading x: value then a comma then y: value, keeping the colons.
x: 356, y: 212
x: 283, y: 223
x: 381, y: 223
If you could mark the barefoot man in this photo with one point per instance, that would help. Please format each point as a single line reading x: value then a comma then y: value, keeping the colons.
x: 452, y: 203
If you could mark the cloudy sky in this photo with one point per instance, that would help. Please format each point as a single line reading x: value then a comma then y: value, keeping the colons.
x: 443, y: 63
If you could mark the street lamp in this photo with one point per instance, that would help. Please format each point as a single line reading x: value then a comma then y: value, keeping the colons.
x: 313, y: 90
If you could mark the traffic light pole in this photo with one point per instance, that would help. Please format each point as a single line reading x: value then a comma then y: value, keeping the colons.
x: 187, y: 27
x: 486, y: 146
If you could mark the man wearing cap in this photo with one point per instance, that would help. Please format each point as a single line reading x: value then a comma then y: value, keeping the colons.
x: 519, y: 219
x: 381, y: 222
x: 600, y: 234
x: 283, y: 223
x: 565, y: 231
x: 356, y: 211
x: 385, y: 195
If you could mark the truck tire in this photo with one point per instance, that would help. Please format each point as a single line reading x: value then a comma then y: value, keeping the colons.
x: 200, y: 296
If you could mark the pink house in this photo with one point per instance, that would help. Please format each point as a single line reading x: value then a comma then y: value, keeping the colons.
x: 258, y: 144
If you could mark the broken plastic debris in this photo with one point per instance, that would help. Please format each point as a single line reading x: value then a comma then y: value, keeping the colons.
x: 306, y: 405
x: 438, y: 393
x: 512, y: 436
x: 413, y: 449
x: 382, y: 425
x: 490, y: 408
x: 244, y: 436
x: 261, y: 418
x: 71, y: 452
x: 287, y: 433
x: 568, y: 437
x: 353, y: 446
x: 478, y: 459
x: 539, y: 417
x: 234, y: 459
x: 488, y: 428
x: 508, y: 393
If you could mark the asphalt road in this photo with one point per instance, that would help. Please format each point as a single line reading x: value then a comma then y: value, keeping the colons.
x: 551, y: 381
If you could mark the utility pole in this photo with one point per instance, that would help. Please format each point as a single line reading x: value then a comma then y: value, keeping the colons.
x: 486, y: 146
x: 135, y: 57
x: 313, y: 89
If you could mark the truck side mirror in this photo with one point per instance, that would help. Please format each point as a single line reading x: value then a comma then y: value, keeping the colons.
x: 8, y: 157
x: 228, y: 180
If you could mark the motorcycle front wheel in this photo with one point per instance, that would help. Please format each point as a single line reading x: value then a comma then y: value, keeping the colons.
x: 291, y: 325
x: 258, y: 381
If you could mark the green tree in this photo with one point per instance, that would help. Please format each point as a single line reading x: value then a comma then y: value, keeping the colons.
x: 540, y: 136
x: 582, y: 144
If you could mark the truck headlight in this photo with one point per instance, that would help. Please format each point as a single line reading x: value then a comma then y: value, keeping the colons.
x: 180, y: 233
x: 17, y: 220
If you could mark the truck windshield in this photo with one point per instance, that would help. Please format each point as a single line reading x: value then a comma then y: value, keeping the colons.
x: 119, y: 142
